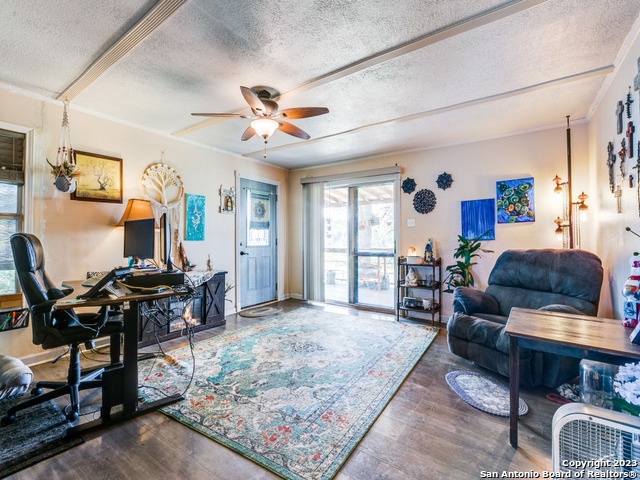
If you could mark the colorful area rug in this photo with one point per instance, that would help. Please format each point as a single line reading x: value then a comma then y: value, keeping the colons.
x: 483, y: 392
x: 294, y: 393
x: 38, y: 433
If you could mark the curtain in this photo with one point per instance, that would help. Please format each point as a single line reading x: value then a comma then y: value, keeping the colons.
x: 313, y: 241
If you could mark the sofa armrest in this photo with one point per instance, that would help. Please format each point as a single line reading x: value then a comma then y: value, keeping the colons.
x: 470, y: 301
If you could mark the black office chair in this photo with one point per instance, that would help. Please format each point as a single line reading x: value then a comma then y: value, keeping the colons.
x: 53, y: 328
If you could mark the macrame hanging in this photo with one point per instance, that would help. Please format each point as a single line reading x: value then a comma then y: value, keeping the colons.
x: 164, y: 189
x: 65, y: 170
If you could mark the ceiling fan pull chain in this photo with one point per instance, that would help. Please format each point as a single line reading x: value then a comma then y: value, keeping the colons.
x: 265, y: 148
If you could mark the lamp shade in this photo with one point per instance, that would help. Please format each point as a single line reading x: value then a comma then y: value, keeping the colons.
x: 136, y: 209
x: 265, y: 127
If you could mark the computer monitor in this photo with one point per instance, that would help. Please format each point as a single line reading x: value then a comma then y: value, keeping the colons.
x: 165, y: 242
x: 139, y: 239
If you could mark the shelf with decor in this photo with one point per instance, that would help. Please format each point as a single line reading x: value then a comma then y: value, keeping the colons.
x: 422, y: 297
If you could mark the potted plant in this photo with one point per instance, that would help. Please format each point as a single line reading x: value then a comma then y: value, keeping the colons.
x: 459, y: 274
x: 64, y: 175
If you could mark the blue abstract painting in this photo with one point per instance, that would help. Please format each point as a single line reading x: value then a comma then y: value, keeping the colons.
x: 194, y: 217
x: 478, y: 219
x: 515, y: 200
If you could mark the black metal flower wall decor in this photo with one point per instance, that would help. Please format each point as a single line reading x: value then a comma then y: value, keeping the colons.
x: 424, y: 201
x: 408, y: 185
x: 444, y: 180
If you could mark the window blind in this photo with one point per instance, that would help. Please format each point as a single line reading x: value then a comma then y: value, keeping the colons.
x: 12, y: 153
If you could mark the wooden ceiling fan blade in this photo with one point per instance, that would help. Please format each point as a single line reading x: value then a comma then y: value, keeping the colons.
x: 303, y: 112
x: 248, y: 133
x: 254, y: 102
x: 293, y: 130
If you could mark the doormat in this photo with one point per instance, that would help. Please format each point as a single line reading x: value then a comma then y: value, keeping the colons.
x: 260, y: 312
x: 294, y: 393
x: 38, y: 433
x: 483, y: 393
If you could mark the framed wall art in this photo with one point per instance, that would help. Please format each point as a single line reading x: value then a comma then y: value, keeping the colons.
x: 514, y: 200
x: 100, y: 178
x: 478, y: 219
x: 194, y: 217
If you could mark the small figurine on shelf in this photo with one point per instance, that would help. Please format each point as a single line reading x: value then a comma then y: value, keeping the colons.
x: 209, y: 268
x: 412, y: 278
x: 428, y: 251
x: 187, y: 266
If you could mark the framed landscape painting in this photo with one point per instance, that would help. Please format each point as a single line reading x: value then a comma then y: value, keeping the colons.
x: 100, y: 178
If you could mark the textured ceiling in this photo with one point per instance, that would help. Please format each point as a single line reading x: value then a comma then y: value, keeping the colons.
x: 396, y: 77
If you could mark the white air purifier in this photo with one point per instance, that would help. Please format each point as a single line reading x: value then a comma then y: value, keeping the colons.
x: 587, y: 438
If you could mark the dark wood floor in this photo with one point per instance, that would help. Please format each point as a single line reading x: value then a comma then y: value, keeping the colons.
x: 426, y: 432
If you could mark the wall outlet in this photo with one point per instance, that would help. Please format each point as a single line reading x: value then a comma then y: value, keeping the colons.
x: 411, y: 222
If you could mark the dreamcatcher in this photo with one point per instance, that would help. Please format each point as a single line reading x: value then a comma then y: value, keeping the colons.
x: 164, y: 189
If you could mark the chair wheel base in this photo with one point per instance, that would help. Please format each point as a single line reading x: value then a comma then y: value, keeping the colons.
x: 7, y: 420
x: 72, y: 416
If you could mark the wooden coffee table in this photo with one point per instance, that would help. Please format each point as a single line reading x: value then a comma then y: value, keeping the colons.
x: 581, y: 336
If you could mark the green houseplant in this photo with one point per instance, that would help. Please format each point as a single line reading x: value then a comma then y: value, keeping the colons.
x: 459, y: 274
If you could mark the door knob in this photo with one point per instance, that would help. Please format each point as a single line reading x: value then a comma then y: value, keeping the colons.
x: 243, y: 253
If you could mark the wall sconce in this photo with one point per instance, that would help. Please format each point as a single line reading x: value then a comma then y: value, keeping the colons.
x: 568, y: 225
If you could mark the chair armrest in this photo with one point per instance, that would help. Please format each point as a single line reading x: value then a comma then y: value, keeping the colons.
x: 43, y: 307
x: 470, y: 300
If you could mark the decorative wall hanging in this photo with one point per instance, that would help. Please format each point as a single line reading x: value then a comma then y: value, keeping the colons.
x: 619, y: 112
x: 101, y: 179
x: 164, y: 189
x: 424, y: 201
x: 478, y: 219
x: 194, y: 217
x: 636, y: 79
x: 611, y: 161
x: 408, y: 185
x: 628, y: 103
x: 629, y: 135
x: 65, y: 171
x: 444, y: 180
x: 514, y: 200
x: 227, y: 200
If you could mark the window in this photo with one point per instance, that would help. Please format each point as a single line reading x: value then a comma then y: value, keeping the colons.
x: 12, y: 154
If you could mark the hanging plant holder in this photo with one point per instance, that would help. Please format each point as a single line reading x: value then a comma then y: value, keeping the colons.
x: 65, y: 170
x: 65, y: 184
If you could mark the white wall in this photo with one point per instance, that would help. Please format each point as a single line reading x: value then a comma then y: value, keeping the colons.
x: 475, y: 169
x: 79, y: 236
x: 614, y: 245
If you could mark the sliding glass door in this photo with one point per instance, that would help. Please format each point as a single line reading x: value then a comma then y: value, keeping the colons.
x: 359, y: 244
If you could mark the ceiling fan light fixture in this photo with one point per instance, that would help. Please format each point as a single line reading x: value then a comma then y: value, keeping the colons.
x: 265, y: 127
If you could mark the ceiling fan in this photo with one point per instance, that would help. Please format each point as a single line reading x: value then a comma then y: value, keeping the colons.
x: 266, y: 117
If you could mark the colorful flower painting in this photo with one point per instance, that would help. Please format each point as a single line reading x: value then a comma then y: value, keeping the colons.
x: 514, y: 200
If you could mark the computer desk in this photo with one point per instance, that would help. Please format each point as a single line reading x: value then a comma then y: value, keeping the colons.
x: 120, y: 381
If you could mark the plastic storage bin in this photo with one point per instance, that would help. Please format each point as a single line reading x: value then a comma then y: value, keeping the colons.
x: 596, y: 383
